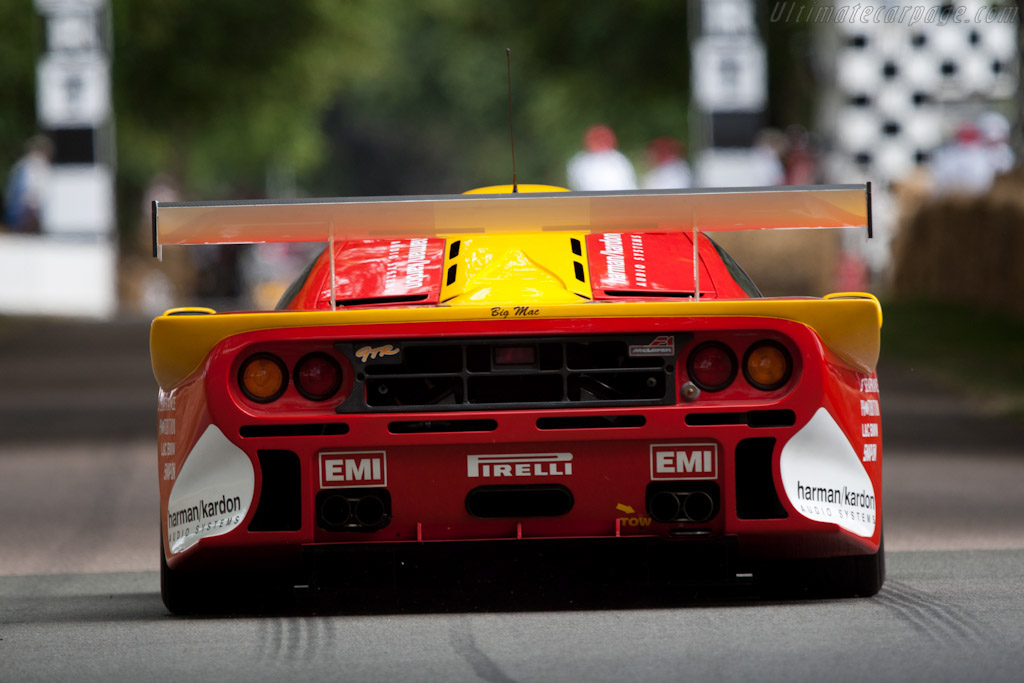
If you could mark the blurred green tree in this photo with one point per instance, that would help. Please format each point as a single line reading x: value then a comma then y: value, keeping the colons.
x: 435, y: 117
x: 214, y: 92
x: 20, y: 42
x: 375, y: 96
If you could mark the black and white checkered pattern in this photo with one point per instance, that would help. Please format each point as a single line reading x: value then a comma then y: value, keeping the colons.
x: 903, y: 85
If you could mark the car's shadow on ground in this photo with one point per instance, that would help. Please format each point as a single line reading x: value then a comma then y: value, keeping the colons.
x: 555, y: 579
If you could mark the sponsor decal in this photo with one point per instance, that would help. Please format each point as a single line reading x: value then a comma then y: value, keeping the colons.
x: 341, y: 469
x: 639, y: 266
x: 870, y: 408
x: 519, y: 465
x: 212, y: 491
x: 684, y: 461
x: 414, y: 275
x: 203, y: 510
x: 415, y: 263
x: 824, y: 479
x: 374, y: 352
x: 665, y: 345
x: 166, y: 401
x: 615, y: 261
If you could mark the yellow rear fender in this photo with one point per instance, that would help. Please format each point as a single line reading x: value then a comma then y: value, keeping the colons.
x: 848, y: 324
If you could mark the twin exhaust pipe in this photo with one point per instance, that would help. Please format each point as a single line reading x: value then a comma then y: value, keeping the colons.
x: 353, y: 509
x: 681, y: 506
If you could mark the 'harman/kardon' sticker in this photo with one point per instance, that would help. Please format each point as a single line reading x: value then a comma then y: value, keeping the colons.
x: 212, y: 492
x: 824, y: 479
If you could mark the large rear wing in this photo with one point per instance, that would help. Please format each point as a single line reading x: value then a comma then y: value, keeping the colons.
x: 328, y: 220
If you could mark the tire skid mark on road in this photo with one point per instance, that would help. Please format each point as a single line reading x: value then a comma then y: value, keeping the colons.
x: 294, y: 639
x: 271, y: 639
x: 460, y: 634
x: 925, y: 613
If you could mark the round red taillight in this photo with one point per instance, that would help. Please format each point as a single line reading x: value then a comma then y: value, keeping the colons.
x: 317, y: 376
x: 263, y: 378
x: 712, y: 366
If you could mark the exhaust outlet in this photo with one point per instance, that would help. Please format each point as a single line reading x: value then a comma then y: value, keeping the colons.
x: 369, y: 511
x: 335, y: 510
x: 698, y: 506
x: 669, y: 502
x: 366, y: 509
x: 664, y: 507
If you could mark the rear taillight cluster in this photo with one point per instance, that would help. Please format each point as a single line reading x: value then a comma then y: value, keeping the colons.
x: 263, y: 377
x: 767, y: 365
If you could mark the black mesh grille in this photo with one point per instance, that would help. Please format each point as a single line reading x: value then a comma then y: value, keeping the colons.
x: 511, y: 373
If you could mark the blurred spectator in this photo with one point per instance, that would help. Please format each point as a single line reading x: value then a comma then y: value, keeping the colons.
x: 600, y: 165
x: 798, y: 159
x: 766, y: 159
x: 964, y: 166
x: 26, y: 185
x: 995, y: 135
x: 669, y: 169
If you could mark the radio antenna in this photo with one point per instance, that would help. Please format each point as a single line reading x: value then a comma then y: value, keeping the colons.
x: 511, y: 134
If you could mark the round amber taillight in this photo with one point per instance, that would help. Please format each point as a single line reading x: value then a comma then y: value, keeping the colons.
x: 767, y: 365
x: 263, y: 378
x: 317, y: 376
x: 712, y: 366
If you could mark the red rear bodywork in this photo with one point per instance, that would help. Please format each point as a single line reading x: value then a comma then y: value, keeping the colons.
x: 452, y: 431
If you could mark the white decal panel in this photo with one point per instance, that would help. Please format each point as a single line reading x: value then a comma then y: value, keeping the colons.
x: 212, y: 491
x: 684, y: 461
x: 353, y: 469
x: 824, y: 479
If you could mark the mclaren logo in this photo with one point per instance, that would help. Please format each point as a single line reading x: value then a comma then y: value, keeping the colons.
x: 664, y: 345
x: 374, y: 352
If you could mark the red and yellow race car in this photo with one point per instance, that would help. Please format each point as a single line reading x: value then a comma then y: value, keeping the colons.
x: 498, y: 370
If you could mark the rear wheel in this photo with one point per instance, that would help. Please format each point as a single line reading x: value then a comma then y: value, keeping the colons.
x: 182, y: 593
x: 223, y: 592
x: 834, y: 577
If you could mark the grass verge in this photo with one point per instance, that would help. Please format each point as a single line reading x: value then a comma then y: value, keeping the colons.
x: 981, y: 351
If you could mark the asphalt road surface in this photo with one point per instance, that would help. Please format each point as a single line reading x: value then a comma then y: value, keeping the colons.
x: 79, y: 590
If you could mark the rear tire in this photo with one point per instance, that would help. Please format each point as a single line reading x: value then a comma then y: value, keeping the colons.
x: 182, y: 593
x: 834, y: 577
x: 224, y: 592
